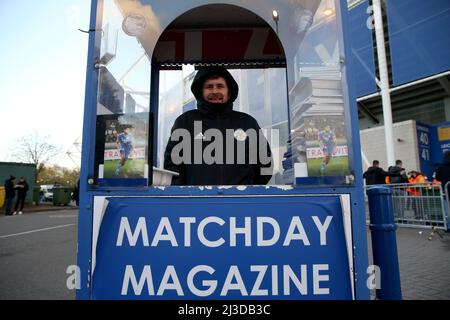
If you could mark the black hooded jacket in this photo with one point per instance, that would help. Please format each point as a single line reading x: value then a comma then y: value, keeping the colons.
x: 443, y: 170
x: 226, y: 169
x: 10, y: 192
x: 397, y: 174
x: 375, y: 175
x: 22, y: 191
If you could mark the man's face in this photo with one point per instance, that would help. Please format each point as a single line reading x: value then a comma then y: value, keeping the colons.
x: 216, y: 90
x: 327, y: 128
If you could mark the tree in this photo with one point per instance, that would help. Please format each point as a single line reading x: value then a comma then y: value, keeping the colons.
x: 35, y: 148
x: 58, y: 175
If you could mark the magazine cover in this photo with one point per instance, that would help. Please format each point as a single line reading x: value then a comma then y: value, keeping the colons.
x: 125, y: 152
x: 326, y: 146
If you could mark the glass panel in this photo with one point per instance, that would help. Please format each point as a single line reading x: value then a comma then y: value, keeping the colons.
x: 319, y: 143
x: 122, y: 142
x: 262, y: 94
x: 172, y: 102
x: 316, y: 145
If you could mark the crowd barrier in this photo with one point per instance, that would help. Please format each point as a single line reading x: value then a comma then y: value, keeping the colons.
x: 420, y: 205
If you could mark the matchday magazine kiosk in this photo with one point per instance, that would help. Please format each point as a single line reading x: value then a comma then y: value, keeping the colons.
x: 301, y: 236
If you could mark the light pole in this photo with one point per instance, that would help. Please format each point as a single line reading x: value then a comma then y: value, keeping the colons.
x: 384, y: 82
x: 275, y: 17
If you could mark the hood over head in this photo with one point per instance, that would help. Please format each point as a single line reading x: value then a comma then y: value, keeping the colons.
x: 197, y: 89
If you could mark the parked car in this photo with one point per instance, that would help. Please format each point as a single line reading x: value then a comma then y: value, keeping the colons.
x: 47, y: 192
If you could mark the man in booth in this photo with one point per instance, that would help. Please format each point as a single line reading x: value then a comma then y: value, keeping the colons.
x: 213, y: 144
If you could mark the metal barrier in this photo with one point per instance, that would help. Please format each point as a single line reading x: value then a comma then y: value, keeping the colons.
x: 447, y: 203
x: 446, y: 194
x: 419, y: 205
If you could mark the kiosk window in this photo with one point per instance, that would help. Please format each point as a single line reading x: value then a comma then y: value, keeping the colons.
x: 289, y: 80
x: 123, y: 118
x: 318, y: 129
x: 262, y: 95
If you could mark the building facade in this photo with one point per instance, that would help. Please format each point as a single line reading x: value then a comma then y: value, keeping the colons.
x: 418, y: 56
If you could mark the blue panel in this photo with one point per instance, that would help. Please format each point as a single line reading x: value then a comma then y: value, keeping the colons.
x: 424, y: 141
x: 124, y: 182
x: 326, y: 180
x: 432, y: 146
x: 360, y: 37
x: 419, y: 41
x: 439, y: 141
x: 186, y: 250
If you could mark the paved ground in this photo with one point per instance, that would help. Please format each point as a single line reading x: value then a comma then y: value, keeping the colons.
x: 424, y: 264
x: 36, y: 249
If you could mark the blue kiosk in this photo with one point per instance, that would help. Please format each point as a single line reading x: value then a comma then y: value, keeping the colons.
x: 301, y: 236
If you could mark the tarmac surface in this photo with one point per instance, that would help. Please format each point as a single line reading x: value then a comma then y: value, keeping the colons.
x: 36, y: 249
x: 35, y: 252
x: 424, y: 264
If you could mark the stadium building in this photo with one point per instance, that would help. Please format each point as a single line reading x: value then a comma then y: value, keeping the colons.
x: 418, y: 58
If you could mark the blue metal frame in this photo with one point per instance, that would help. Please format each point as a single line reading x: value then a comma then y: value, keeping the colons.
x: 154, y: 107
x: 89, y: 191
x: 352, y: 122
x: 87, y: 160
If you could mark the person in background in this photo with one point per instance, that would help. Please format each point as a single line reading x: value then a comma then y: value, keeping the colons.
x: 76, y: 193
x: 375, y: 174
x: 443, y: 171
x: 415, y: 177
x: 10, y: 193
x: 436, y: 183
x: 397, y: 173
x: 22, y: 189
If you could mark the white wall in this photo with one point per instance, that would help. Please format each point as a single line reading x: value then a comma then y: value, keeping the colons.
x: 374, y: 148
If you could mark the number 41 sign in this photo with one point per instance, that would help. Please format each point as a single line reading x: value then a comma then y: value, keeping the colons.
x: 423, y: 138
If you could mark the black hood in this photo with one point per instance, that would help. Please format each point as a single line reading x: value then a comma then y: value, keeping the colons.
x: 197, y: 88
